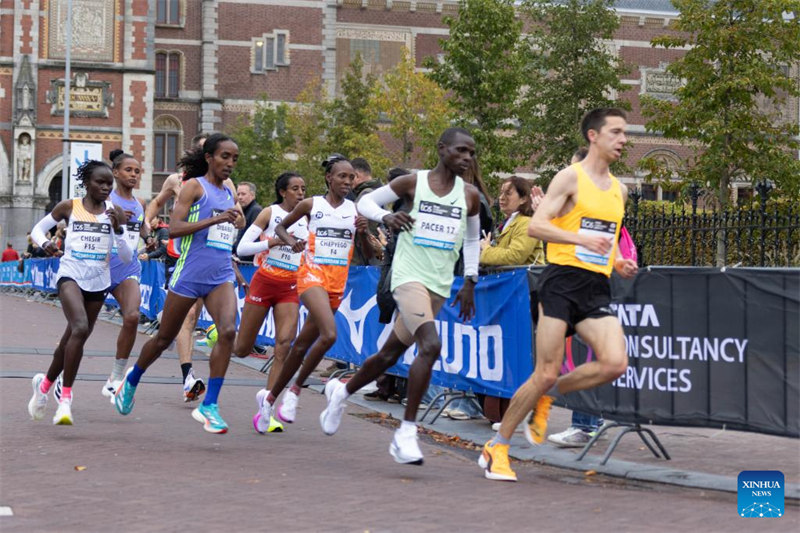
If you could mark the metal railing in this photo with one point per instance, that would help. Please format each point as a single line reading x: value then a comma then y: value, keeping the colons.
x: 762, y: 234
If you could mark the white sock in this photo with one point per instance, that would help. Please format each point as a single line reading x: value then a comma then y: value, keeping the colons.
x: 119, y: 369
x: 408, y: 427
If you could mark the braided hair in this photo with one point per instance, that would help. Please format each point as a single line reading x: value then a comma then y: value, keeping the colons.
x: 328, y: 163
x: 86, y: 169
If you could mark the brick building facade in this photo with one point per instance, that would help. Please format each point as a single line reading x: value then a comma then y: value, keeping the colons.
x: 150, y: 74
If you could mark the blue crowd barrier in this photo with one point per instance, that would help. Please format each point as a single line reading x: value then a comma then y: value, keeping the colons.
x: 43, y: 273
x: 10, y: 276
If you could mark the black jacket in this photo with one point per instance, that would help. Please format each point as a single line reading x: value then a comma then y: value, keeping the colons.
x: 250, y: 214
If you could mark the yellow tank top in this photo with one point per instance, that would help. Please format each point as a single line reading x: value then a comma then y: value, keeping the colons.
x: 596, y: 212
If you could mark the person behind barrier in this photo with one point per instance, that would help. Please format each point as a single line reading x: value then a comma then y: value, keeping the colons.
x: 445, y: 214
x: 10, y: 254
x: 580, y: 218
x: 333, y: 223
x: 34, y: 250
x: 274, y: 285
x: 83, y: 278
x: 363, y: 185
x: 513, y: 246
x: 246, y: 194
x: 204, y: 218
x: 157, y: 247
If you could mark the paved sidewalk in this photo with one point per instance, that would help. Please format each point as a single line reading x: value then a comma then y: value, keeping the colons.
x: 700, y: 458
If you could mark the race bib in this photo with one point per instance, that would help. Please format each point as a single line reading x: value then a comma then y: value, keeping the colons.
x: 90, y: 241
x: 437, y: 225
x: 283, y: 257
x: 221, y: 236
x: 132, y: 229
x: 593, y: 226
x: 332, y: 246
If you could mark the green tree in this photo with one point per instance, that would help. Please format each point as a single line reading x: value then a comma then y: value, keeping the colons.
x: 738, y: 73
x: 482, y: 70
x: 263, y: 140
x: 353, y: 119
x: 416, y: 109
x: 306, y: 121
x: 347, y: 124
x: 569, y: 72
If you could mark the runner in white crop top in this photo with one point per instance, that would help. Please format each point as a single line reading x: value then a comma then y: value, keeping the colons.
x: 94, y: 226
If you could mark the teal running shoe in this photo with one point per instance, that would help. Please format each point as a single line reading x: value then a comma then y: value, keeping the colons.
x: 123, y: 399
x: 208, y: 415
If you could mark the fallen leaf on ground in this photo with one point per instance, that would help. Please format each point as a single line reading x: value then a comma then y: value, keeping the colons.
x: 80, y: 468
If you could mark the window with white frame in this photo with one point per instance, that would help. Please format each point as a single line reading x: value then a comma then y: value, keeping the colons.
x: 168, y: 12
x: 271, y: 51
x: 167, y: 133
x: 168, y: 71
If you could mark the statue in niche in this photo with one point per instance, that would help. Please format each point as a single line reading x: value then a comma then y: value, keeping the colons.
x: 26, y: 98
x: 24, y: 158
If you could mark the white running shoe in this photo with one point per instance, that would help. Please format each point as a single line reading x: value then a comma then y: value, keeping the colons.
x: 287, y: 410
x: 63, y: 413
x: 110, y: 389
x: 38, y: 403
x: 331, y: 417
x: 405, y: 447
x: 261, y: 420
x: 572, y: 438
x: 193, y: 387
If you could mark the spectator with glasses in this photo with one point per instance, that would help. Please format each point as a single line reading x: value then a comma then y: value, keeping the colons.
x: 513, y: 246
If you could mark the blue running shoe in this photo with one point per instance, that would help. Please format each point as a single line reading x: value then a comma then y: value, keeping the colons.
x: 123, y: 399
x: 209, y: 416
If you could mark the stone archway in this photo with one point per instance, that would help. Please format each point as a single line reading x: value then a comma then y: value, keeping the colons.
x: 46, y: 175
x: 7, y: 180
x: 668, y: 158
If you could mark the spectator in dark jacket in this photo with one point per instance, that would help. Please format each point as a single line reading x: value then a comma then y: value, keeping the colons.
x: 362, y: 185
x: 246, y: 194
x: 159, y: 245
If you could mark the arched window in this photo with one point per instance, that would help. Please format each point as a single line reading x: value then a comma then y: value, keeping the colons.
x: 167, y: 142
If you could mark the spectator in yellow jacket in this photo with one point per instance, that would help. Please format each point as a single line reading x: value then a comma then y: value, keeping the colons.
x: 513, y: 246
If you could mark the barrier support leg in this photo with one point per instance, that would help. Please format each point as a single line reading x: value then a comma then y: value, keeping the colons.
x: 431, y: 404
x: 450, y: 397
x: 657, y: 442
x: 627, y: 428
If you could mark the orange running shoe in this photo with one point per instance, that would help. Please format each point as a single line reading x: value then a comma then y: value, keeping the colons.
x: 494, y: 461
x: 536, y: 426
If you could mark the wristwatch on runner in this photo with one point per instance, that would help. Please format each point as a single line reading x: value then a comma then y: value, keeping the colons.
x: 473, y: 278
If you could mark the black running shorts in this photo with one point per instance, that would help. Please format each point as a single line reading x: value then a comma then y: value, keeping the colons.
x: 574, y: 294
x: 88, y: 296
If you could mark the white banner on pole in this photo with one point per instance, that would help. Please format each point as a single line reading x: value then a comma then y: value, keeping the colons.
x: 79, y: 153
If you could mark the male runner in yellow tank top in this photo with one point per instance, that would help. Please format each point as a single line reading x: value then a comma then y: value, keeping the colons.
x: 579, y: 218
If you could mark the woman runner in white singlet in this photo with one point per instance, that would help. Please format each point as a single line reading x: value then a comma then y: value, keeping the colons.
x: 94, y: 227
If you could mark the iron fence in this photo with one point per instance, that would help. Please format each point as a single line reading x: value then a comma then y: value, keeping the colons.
x: 761, y: 233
